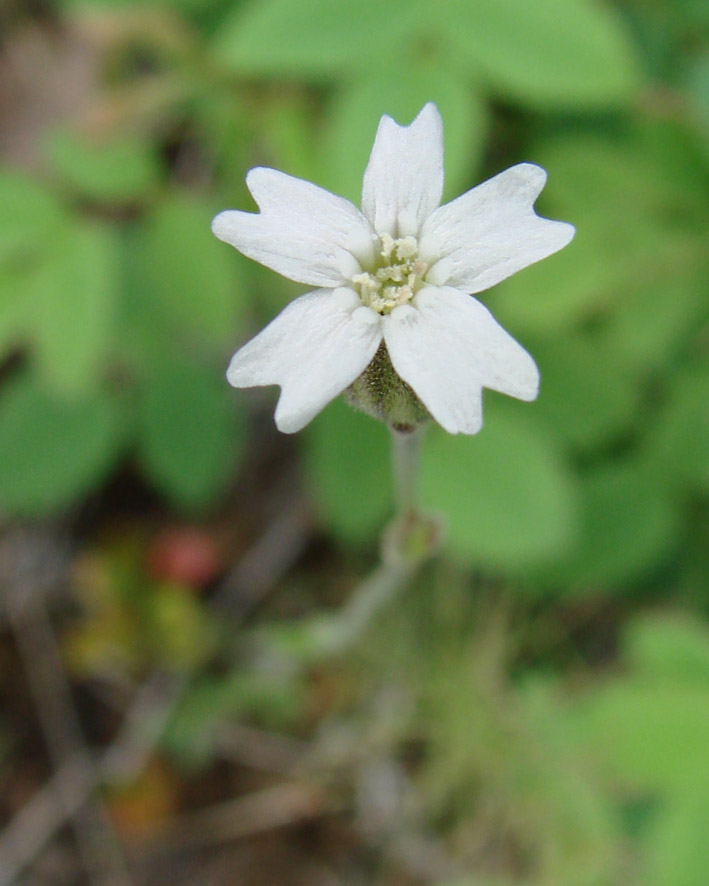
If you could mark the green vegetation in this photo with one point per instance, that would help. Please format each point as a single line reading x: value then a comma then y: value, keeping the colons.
x: 541, y: 692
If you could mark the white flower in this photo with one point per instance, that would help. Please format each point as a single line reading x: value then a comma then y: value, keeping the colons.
x: 402, y: 270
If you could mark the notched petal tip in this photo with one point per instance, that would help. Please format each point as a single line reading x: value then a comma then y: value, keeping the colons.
x: 567, y: 232
x: 237, y: 373
x: 225, y: 225
x: 429, y: 116
x: 290, y: 423
x: 533, y: 172
x: 528, y: 387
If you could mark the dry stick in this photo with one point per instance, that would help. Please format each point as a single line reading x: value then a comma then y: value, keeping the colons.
x: 97, y: 843
x: 68, y: 789
x: 279, y: 806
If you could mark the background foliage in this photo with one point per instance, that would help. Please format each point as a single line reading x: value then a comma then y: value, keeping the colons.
x: 571, y: 723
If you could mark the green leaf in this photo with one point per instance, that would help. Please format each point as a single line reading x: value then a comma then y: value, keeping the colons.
x: 651, y: 735
x: 30, y: 219
x: 629, y: 527
x: 119, y: 170
x: 72, y: 313
x: 549, y: 53
x: 507, y: 495
x: 312, y: 38
x: 668, y: 647
x: 677, y: 444
x: 586, y: 395
x: 190, y: 439
x: 636, y: 230
x: 180, y: 268
x: 649, y: 326
x: 53, y: 450
x: 348, y: 463
x: 356, y: 112
x: 677, y: 844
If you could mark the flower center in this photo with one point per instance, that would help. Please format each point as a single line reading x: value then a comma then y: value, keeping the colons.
x: 396, y: 276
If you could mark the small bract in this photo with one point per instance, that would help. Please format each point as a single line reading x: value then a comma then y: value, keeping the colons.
x: 399, y: 274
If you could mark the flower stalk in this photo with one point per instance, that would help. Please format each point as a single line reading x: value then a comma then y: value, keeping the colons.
x: 406, y: 460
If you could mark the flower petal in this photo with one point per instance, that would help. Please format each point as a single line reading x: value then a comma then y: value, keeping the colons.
x: 491, y: 232
x: 314, y: 349
x: 303, y: 232
x: 403, y: 181
x: 448, y: 346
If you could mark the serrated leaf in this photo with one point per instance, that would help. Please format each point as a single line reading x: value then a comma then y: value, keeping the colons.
x: 550, y: 53
x: 190, y: 439
x: 348, y: 463
x: 312, y: 38
x: 356, y: 112
x: 507, y: 496
x: 53, y: 450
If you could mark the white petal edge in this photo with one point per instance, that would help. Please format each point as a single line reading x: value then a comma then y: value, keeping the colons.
x: 315, y: 348
x: 303, y: 232
x: 447, y: 346
x: 403, y: 181
x: 491, y: 232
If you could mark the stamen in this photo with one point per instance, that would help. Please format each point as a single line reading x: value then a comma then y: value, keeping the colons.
x: 395, y: 278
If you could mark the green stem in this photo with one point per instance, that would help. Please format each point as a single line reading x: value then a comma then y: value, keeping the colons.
x: 406, y: 452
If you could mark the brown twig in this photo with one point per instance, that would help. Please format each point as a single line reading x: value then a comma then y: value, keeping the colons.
x: 49, y: 688
x: 73, y: 782
x: 281, y: 806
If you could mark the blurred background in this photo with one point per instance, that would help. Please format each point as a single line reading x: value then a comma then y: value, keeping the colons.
x: 533, y: 709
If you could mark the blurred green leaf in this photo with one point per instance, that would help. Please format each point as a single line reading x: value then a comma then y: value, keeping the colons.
x: 184, y: 636
x: 544, y: 53
x: 629, y: 526
x: 53, y: 450
x: 676, y: 445
x: 586, y: 395
x: 313, y: 38
x: 650, y: 326
x: 190, y: 437
x: 508, y: 498
x: 698, y: 86
x: 188, y: 276
x: 122, y: 169
x: 677, y: 844
x: 356, y: 112
x: 668, y: 647
x: 652, y: 735
x: 71, y: 316
x: 638, y: 229
x: 348, y: 463
x: 31, y: 218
